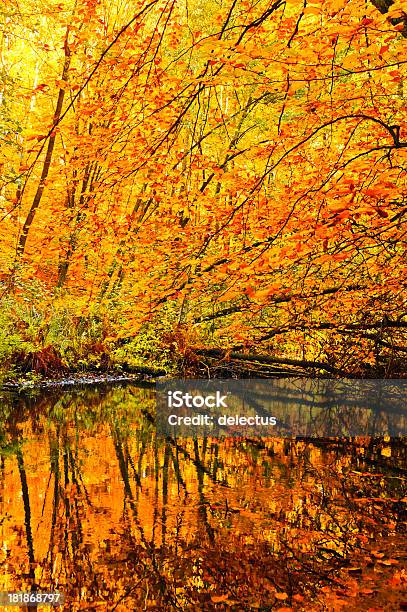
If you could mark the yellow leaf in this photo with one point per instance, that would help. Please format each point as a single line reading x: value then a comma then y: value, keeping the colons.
x: 312, y: 10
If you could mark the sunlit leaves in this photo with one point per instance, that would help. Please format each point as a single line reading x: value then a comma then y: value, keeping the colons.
x: 206, y: 157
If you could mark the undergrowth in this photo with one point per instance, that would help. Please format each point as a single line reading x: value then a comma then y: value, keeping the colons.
x: 51, y: 342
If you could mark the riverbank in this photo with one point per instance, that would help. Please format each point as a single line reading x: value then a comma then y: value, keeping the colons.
x: 77, y: 380
x: 38, y: 345
x: 202, y: 364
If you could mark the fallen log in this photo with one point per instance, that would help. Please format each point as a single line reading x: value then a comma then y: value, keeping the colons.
x: 231, y: 356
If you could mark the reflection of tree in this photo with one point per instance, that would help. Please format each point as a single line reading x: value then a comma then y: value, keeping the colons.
x: 130, y: 518
x: 148, y: 563
x: 203, y: 503
x: 27, y: 510
x: 68, y: 561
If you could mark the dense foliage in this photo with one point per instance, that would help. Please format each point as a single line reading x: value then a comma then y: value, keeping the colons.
x: 231, y: 173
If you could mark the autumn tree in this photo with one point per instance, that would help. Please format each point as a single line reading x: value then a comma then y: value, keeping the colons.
x: 236, y: 167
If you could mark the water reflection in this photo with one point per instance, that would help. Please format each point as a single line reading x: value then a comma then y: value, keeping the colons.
x: 288, y: 407
x: 97, y: 506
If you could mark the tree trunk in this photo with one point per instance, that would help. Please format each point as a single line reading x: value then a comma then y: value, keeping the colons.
x: 48, y: 157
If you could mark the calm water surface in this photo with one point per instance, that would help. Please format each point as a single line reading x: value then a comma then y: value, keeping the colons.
x: 94, y: 504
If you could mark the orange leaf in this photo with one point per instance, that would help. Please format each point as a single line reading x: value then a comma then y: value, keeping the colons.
x: 219, y: 598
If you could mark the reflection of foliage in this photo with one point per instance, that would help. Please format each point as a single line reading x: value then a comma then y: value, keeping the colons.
x: 131, y: 520
x: 231, y: 169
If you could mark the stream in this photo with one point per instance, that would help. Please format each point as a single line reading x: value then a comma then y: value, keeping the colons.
x: 97, y: 506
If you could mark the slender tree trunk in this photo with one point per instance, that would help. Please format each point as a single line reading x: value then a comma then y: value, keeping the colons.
x: 91, y: 173
x: 27, y: 510
x: 48, y: 156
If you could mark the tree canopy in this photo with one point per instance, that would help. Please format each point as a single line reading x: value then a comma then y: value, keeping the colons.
x: 234, y: 167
